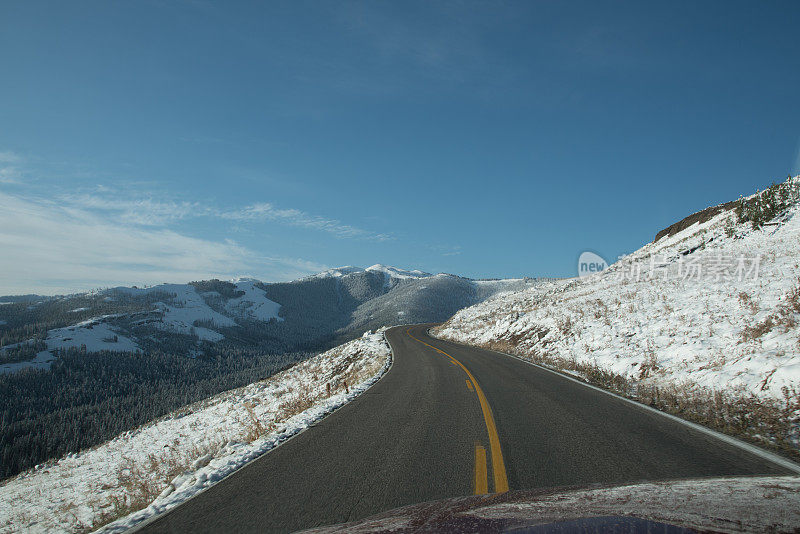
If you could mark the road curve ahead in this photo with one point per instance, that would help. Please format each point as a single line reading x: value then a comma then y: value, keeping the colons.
x: 450, y: 420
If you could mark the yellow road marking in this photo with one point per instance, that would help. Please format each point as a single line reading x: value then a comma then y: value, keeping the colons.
x: 498, y: 466
x: 481, y: 478
x: 469, y: 385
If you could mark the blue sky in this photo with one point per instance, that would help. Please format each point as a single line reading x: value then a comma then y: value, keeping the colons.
x: 166, y: 141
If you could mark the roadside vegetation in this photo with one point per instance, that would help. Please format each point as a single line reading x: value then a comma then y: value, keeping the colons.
x: 173, y: 457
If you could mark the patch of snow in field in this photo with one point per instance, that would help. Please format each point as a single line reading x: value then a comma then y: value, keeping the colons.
x: 254, y: 303
x: 42, y: 360
x: 338, y: 272
x: 76, y: 310
x: 668, y: 329
x: 209, y: 438
x: 391, y: 273
x: 186, y: 307
x: 205, y: 334
x: 394, y: 272
x: 94, y: 334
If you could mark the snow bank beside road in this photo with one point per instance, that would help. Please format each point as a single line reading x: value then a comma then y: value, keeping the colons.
x: 165, y: 462
x: 713, y: 308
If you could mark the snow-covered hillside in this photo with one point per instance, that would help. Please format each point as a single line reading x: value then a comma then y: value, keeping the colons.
x: 253, y: 303
x: 173, y: 309
x: 163, y: 463
x: 183, y: 309
x: 711, y: 309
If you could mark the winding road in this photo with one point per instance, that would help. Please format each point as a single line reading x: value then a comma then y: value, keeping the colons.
x: 449, y: 420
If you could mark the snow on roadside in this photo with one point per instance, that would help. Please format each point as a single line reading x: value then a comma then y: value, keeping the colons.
x: 179, y: 455
x: 690, y: 328
x: 684, y: 327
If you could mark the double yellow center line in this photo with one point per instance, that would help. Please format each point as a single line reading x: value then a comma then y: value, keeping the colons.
x: 498, y: 466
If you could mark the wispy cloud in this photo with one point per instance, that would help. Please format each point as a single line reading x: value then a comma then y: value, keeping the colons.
x: 60, y: 249
x: 445, y: 250
x: 7, y: 156
x: 58, y: 241
x: 265, y: 211
x: 9, y: 173
x: 146, y: 211
x: 152, y: 211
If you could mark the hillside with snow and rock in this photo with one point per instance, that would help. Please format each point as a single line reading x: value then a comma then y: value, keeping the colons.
x: 702, y: 322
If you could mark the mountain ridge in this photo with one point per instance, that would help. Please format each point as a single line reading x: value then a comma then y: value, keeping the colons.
x: 307, y: 314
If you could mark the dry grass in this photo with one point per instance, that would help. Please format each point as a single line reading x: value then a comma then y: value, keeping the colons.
x: 756, y: 331
x: 649, y: 365
x: 792, y: 303
x: 139, y: 484
x: 566, y: 326
x: 746, y: 301
x: 299, y: 401
x: 252, y: 426
x: 783, y: 317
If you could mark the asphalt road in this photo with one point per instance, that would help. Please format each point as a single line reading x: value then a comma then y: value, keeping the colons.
x: 450, y: 420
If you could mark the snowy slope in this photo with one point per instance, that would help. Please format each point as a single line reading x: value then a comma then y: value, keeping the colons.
x: 179, y: 308
x: 393, y: 273
x: 42, y: 360
x: 95, y: 335
x: 712, y: 308
x: 186, y: 307
x: 254, y: 304
x: 184, y: 452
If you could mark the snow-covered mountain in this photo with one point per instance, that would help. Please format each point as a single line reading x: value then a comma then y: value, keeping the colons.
x: 312, y: 313
x: 389, y: 272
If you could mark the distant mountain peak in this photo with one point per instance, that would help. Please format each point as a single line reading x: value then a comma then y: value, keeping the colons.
x: 389, y: 271
x: 336, y: 272
x: 397, y: 273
